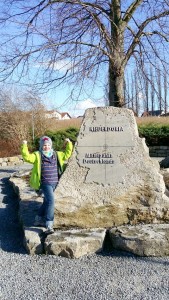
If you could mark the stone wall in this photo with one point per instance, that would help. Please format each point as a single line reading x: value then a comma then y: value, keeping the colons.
x: 10, y: 161
x: 159, y: 151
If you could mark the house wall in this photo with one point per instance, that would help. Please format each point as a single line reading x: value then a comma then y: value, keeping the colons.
x: 54, y: 115
x: 66, y: 117
x: 57, y: 116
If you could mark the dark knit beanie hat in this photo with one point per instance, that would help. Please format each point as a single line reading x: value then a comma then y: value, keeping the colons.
x: 45, y: 140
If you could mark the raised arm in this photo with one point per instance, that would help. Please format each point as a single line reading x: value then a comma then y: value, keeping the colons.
x: 27, y: 156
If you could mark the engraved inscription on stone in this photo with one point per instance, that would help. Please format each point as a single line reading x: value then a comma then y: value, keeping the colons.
x: 103, y: 139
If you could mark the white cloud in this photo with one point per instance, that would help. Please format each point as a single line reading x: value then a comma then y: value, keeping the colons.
x: 81, y: 106
x: 61, y: 65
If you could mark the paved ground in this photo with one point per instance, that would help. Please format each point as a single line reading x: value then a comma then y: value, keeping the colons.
x: 114, y: 276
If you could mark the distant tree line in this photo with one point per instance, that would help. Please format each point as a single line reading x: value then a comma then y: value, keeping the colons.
x: 147, y: 91
x: 22, y: 116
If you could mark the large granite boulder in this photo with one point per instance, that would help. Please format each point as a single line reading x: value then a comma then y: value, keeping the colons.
x: 142, y: 240
x: 110, y: 179
x: 75, y: 243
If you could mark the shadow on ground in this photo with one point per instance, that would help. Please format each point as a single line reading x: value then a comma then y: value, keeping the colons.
x: 11, y: 232
x: 108, y: 251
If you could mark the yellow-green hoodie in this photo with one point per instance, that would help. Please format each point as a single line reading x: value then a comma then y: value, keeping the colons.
x: 35, y: 159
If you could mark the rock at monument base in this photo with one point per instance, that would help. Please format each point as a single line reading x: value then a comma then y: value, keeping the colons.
x: 75, y: 243
x: 142, y: 240
x: 32, y: 241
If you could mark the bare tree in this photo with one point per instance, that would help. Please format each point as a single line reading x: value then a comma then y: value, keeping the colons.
x: 146, y: 88
x: 80, y: 41
x: 22, y: 116
x: 126, y: 91
x: 137, y: 105
x: 15, y: 127
x: 165, y: 92
x: 32, y: 103
x: 152, y: 99
x: 159, y: 87
x: 132, y: 92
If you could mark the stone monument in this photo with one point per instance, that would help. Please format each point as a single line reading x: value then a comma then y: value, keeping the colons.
x: 111, y: 188
x: 110, y: 179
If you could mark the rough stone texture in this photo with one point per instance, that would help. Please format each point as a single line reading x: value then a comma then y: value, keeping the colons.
x: 11, y: 161
x: 32, y: 241
x: 145, y: 240
x: 142, y: 240
x: 75, y: 243
x: 110, y: 179
x: 28, y: 206
x: 165, y: 174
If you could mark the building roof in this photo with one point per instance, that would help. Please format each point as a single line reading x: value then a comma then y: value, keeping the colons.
x: 154, y: 113
x: 64, y: 114
x: 61, y: 114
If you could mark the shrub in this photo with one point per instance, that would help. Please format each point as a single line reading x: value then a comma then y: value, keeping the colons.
x: 58, y: 137
x: 9, y: 148
x: 155, y: 134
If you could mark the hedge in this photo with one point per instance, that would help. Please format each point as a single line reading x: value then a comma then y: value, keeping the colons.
x: 155, y: 134
x: 58, y: 137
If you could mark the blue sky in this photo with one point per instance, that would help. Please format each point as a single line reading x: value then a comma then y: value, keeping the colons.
x: 57, y: 99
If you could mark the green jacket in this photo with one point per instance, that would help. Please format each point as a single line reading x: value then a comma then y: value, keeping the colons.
x: 35, y: 159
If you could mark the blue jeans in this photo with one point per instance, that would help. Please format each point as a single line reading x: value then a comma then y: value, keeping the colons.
x: 47, y: 208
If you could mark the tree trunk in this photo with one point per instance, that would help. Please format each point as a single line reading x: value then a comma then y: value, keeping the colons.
x: 116, y: 68
x: 152, y: 89
x: 116, y: 86
x: 165, y: 91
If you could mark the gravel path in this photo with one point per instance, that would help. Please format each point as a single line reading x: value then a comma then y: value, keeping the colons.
x: 116, y: 276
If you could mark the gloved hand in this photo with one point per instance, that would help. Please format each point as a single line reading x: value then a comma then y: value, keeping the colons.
x: 67, y: 140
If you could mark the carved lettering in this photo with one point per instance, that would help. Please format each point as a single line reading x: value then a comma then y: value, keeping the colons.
x: 99, y: 161
x: 98, y: 155
x: 106, y: 129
